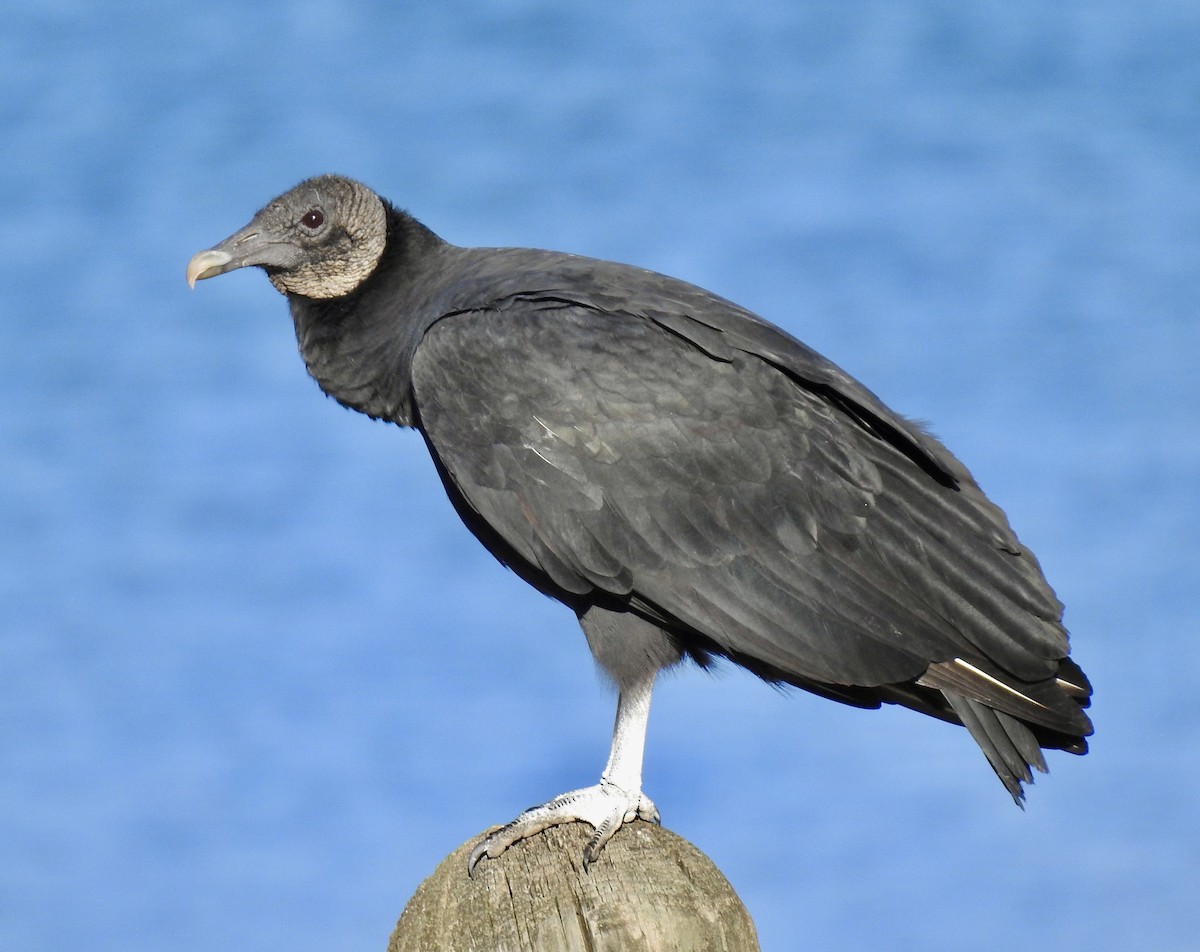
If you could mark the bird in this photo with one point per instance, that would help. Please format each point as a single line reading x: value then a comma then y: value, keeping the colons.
x: 690, y: 480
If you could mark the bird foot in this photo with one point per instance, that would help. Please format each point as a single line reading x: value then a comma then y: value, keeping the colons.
x: 606, y: 807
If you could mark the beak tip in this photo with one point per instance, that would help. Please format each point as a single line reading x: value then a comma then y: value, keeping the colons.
x: 207, y: 264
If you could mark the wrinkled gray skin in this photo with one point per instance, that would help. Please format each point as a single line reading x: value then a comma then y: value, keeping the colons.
x: 687, y: 478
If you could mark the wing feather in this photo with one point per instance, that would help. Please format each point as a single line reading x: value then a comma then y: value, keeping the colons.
x: 715, y: 480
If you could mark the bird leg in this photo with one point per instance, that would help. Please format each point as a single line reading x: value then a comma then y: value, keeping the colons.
x: 617, y: 799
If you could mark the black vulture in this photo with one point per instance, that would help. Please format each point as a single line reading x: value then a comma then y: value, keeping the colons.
x: 686, y: 477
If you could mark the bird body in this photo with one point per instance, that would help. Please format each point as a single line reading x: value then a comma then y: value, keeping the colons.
x: 686, y: 477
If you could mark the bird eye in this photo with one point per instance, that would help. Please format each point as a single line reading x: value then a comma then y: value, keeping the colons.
x: 313, y: 219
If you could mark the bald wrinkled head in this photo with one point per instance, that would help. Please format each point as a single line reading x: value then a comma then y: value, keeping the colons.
x: 321, y: 240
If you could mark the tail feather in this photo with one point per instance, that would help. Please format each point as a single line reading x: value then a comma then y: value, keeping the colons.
x: 1054, y: 705
x: 1009, y: 745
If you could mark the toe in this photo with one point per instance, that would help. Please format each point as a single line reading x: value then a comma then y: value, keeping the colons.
x: 605, y: 807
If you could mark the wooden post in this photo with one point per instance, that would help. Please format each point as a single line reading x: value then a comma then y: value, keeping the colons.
x: 650, y: 891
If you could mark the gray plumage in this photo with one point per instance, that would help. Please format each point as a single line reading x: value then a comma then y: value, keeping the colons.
x: 686, y: 477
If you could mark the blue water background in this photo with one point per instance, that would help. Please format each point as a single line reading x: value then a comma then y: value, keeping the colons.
x: 255, y: 678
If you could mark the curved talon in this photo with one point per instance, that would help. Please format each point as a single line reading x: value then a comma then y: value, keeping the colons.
x: 599, y: 839
x: 480, y: 851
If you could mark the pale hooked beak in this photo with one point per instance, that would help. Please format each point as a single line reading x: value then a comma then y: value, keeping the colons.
x: 252, y: 245
x: 208, y: 264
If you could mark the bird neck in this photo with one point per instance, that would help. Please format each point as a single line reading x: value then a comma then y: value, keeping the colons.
x: 359, y: 347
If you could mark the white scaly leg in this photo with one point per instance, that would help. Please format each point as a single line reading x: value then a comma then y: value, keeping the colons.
x: 617, y: 799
